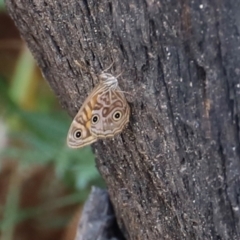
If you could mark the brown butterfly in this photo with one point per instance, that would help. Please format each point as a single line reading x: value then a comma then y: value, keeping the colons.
x: 103, y: 114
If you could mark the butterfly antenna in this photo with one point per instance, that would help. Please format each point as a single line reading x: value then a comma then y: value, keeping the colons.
x: 125, y: 92
x: 80, y: 65
x: 120, y: 74
x: 109, y: 67
x: 84, y: 68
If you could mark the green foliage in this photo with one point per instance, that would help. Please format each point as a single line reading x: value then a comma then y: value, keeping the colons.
x: 42, y: 137
x: 2, y: 6
x: 38, y: 137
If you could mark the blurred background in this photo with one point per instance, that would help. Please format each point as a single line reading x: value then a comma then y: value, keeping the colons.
x: 43, y: 184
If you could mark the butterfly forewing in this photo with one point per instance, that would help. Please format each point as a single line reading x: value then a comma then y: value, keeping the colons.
x: 108, y: 105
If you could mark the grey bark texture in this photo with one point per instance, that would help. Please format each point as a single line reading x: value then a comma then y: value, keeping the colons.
x: 174, y: 171
x: 97, y: 219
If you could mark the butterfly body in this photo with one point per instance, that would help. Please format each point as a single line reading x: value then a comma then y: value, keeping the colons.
x: 103, y: 114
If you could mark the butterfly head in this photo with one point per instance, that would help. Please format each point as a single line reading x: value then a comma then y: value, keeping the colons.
x: 109, y: 80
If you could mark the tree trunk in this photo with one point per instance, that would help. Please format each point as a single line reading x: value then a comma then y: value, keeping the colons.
x: 174, y: 171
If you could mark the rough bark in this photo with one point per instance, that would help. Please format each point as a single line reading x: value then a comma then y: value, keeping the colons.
x: 173, y: 173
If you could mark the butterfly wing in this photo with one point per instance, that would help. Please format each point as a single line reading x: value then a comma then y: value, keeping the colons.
x: 79, y: 134
x: 103, y: 114
x: 112, y: 111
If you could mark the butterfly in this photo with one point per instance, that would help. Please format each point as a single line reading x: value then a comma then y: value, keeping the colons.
x: 103, y: 114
